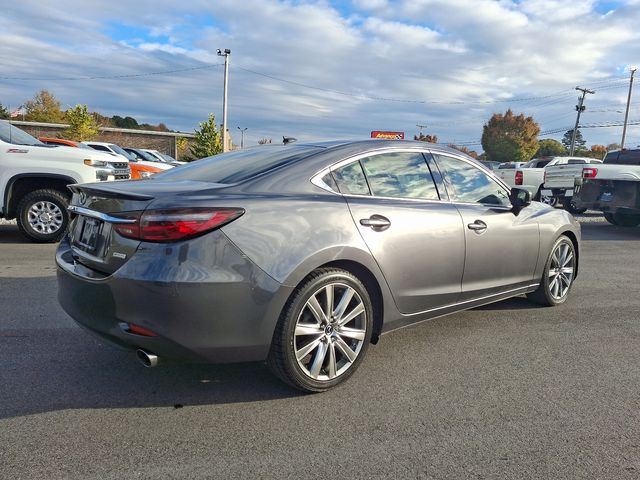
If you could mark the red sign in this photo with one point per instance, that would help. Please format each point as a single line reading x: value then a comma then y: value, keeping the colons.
x: 388, y: 135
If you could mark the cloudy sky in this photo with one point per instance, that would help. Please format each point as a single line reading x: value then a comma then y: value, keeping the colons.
x: 330, y: 69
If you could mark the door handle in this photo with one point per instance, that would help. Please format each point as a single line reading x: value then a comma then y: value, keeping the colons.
x: 376, y: 222
x: 478, y: 226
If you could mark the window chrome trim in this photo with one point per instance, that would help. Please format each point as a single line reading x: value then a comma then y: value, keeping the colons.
x: 318, y: 182
x: 99, y: 215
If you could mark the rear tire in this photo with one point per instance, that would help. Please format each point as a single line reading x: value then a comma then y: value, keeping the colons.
x: 622, y: 220
x: 570, y: 206
x: 558, y: 274
x: 323, y: 332
x: 42, y: 215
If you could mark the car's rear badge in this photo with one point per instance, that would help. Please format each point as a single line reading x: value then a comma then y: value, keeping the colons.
x: 119, y: 255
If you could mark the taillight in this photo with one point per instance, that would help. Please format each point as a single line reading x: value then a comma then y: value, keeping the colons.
x: 519, y: 177
x: 176, y: 224
x: 589, y: 172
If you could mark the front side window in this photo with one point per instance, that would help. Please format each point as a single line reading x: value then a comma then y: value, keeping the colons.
x: 469, y: 184
x: 400, y: 175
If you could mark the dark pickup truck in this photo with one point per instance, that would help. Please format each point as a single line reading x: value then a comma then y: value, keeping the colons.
x: 612, y: 187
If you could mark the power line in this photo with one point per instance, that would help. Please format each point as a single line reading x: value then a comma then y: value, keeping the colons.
x: 110, y: 77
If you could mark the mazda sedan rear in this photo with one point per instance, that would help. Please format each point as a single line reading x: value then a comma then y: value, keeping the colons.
x: 303, y: 255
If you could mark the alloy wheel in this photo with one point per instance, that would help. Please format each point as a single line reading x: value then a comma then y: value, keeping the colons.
x: 561, y: 270
x: 330, y: 331
x: 45, y: 217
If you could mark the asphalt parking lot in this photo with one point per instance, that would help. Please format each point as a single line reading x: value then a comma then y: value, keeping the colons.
x: 509, y: 390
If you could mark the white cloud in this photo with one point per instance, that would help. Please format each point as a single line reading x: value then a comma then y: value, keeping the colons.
x: 469, y: 51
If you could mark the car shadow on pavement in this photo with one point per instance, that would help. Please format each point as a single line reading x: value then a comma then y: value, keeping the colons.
x: 514, y: 303
x: 54, y: 374
x: 48, y: 363
x: 9, y: 233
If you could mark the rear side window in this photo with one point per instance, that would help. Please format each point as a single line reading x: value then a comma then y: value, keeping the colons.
x: 350, y: 179
x: 238, y: 166
x: 400, y: 175
x: 625, y: 157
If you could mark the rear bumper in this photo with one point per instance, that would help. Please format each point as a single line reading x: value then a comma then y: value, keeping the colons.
x: 205, y: 301
x: 608, y: 195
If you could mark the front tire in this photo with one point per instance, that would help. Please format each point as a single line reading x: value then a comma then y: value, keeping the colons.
x: 42, y: 215
x: 558, y: 274
x: 323, y: 332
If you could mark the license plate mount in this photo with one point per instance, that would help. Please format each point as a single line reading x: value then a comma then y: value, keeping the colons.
x: 88, y: 238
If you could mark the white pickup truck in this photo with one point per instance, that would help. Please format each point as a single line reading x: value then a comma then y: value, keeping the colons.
x: 34, y: 179
x: 530, y: 177
x: 559, y: 181
x: 613, y: 188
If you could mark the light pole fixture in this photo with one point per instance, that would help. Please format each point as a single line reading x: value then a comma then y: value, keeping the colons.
x: 242, y: 130
x: 226, y: 53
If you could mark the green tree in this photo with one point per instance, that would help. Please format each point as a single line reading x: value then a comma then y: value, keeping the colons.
x: 44, y: 107
x: 126, y: 122
x: 580, y: 142
x: 510, y: 138
x: 4, y: 113
x: 550, y: 148
x: 82, y: 125
x: 208, y: 139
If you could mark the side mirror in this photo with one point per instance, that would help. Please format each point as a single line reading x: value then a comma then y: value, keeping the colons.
x: 519, y: 199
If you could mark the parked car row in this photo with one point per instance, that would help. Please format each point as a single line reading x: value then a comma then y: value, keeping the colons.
x: 35, y: 174
x: 548, y: 179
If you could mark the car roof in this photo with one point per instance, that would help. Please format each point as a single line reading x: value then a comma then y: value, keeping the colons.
x: 380, y: 143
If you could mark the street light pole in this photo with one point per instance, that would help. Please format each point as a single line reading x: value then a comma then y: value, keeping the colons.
x: 226, y: 53
x: 626, y: 113
x: 242, y: 130
x: 580, y: 108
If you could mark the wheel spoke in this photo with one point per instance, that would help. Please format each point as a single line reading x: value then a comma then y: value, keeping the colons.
x: 346, y: 350
x: 329, y: 306
x: 318, y: 361
x: 332, y: 360
x: 308, y: 329
x: 358, y: 309
x: 567, y: 260
x: 344, y: 303
x: 304, y: 351
x: 316, y: 309
x: 354, y: 333
x: 567, y: 270
x: 556, y: 287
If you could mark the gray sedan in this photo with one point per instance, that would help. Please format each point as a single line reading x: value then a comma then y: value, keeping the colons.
x: 303, y: 255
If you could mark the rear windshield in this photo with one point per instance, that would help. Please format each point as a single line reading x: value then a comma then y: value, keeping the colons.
x: 625, y: 157
x: 238, y: 166
x: 535, y: 163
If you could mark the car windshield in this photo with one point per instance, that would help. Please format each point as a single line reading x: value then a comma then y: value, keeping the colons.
x: 237, y: 166
x: 15, y: 136
x: 121, y: 151
x: 536, y: 163
x: 168, y: 158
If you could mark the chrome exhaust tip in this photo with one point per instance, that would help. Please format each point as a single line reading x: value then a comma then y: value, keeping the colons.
x: 148, y: 359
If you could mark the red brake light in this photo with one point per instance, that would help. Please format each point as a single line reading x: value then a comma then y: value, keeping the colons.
x: 519, y: 177
x: 589, y: 172
x: 176, y: 224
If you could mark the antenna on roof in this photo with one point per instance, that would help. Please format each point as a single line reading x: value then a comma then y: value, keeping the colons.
x: 286, y: 140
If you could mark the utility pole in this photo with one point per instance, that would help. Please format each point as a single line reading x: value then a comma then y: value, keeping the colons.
x: 242, y: 130
x: 626, y: 113
x: 226, y: 53
x: 580, y: 108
